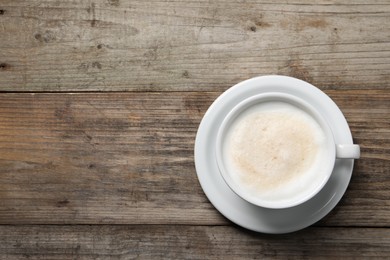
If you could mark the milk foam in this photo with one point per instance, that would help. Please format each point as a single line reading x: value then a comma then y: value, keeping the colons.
x: 273, y: 150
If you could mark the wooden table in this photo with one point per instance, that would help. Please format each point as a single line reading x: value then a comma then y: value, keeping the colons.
x: 101, y: 100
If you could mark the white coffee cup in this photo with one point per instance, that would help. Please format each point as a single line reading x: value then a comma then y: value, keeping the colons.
x: 252, y: 155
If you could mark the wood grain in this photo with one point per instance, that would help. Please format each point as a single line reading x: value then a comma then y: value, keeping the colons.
x: 187, y: 242
x: 127, y: 158
x: 101, y: 158
x: 188, y: 45
x: 100, y: 102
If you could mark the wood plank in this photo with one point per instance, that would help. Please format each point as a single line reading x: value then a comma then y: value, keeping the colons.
x: 101, y: 158
x: 190, y: 45
x: 127, y: 158
x: 183, y: 242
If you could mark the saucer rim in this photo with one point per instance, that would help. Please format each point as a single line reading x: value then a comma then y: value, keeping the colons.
x: 235, y: 95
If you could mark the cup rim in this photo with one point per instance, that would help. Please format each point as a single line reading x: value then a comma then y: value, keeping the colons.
x: 256, y: 99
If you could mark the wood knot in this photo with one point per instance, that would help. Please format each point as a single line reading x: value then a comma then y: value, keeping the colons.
x: 62, y: 203
x: 46, y: 37
x: 4, y: 66
x: 2, y: 11
x: 96, y: 64
x: 113, y: 2
x: 186, y: 74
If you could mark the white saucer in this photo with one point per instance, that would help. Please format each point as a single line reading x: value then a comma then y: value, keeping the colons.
x: 246, y: 214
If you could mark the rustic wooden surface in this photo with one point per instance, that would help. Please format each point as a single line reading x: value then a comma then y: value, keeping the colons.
x: 100, y: 102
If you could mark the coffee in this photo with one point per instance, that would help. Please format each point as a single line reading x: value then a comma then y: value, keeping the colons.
x: 274, y: 151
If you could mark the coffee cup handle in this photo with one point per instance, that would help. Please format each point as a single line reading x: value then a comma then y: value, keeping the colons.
x: 347, y: 151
